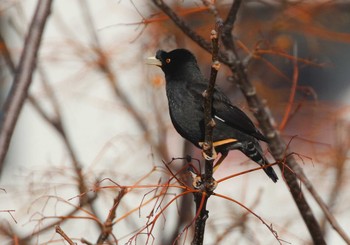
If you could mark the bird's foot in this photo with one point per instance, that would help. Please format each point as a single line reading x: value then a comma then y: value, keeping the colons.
x: 213, y: 156
x: 197, y: 182
x: 207, y: 157
x: 208, y: 185
x: 211, y: 185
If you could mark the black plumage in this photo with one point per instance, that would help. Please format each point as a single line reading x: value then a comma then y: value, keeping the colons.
x: 184, y: 87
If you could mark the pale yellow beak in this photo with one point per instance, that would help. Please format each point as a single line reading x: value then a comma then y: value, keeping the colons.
x: 153, y: 61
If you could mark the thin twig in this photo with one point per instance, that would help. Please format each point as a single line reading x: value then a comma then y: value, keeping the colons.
x: 108, y: 224
x: 59, y: 221
x: 273, y: 232
x: 64, y: 235
x: 23, y: 77
x: 186, y: 202
x: 288, y: 110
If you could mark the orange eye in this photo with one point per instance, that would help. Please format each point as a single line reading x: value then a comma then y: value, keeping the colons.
x: 167, y: 60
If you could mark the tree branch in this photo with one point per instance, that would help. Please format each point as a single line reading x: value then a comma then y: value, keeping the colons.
x: 207, y: 184
x: 64, y: 235
x: 183, y: 25
x: 276, y: 144
x: 23, y: 77
x: 108, y: 224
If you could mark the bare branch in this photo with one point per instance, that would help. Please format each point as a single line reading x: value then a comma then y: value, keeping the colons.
x: 329, y: 216
x: 182, y: 25
x: 265, y: 119
x: 208, y: 183
x: 23, y: 77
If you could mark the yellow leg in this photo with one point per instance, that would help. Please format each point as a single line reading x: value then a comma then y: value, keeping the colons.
x: 216, y: 144
x: 223, y: 142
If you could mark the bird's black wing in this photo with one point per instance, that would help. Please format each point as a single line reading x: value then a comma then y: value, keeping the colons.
x: 231, y: 115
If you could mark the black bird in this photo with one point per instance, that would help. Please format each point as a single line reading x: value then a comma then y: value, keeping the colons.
x: 184, y: 87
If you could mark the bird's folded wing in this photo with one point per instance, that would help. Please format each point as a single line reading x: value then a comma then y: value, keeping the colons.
x: 224, y: 111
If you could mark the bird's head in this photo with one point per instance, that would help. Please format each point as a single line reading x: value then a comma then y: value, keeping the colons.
x: 173, y: 62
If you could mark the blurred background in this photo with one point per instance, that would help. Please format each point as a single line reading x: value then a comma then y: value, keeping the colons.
x: 96, y: 121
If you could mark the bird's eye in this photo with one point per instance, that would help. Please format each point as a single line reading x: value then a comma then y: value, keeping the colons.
x: 167, y: 60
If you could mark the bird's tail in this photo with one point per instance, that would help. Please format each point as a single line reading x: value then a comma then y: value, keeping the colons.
x: 254, y: 152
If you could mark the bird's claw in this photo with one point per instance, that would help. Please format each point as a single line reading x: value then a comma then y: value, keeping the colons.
x: 197, y: 182
x: 210, y: 158
x: 204, y: 185
x: 211, y: 186
x: 213, y: 156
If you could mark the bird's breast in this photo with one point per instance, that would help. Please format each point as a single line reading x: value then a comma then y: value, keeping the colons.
x: 186, y: 114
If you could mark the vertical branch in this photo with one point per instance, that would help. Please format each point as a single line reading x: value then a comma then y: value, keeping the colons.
x: 208, y: 103
x: 23, y: 77
x: 200, y: 199
x: 56, y: 121
x: 276, y: 144
x: 208, y: 184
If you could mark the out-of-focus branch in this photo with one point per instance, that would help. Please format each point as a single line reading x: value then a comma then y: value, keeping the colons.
x: 26, y: 239
x: 331, y: 219
x: 293, y: 89
x: 341, y: 149
x: 57, y: 123
x: 105, y: 67
x: 7, y: 56
x: 23, y: 77
x: 183, y: 25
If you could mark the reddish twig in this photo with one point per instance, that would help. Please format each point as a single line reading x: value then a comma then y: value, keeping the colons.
x: 288, y: 110
x: 274, y: 233
x: 64, y: 235
x: 107, y: 227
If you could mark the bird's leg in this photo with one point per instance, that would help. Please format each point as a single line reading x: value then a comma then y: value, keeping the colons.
x: 221, y: 159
